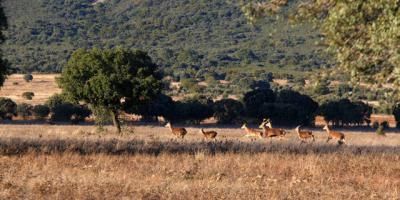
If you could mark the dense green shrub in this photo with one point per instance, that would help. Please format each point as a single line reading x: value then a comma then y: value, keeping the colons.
x: 396, y: 113
x: 8, y: 108
x: 193, y: 110
x: 345, y: 112
x: 228, y: 111
x: 41, y: 111
x: 285, y: 107
x: 28, y: 95
x: 28, y: 77
x: 162, y: 105
x: 63, y: 110
x: 24, y: 110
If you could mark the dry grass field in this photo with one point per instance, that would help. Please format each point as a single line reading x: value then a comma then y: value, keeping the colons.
x: 77, y: 162
x: 43, y: 85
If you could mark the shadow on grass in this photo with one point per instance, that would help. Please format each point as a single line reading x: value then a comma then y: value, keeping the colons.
x: 19, y: 146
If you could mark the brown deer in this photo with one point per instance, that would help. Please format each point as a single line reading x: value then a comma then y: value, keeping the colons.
x: 209, y: 134
x: 304, y: 135
x: 334, y: 135
x: 178, y: 132
x: 251, y: 132
x: 271, y: 132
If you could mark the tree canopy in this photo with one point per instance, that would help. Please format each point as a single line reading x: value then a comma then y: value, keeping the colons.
x: 363, y: 35
x: 116, y: 80
x: 4, y: 70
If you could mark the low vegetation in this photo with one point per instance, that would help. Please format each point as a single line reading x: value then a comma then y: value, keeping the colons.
x: 148, y: 164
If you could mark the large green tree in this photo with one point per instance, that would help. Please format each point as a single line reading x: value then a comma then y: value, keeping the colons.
x: 4, y: 70
x: 115, y: 80
x: 364, y: 35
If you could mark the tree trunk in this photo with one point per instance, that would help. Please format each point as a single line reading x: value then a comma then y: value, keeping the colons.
x: 114, y: 115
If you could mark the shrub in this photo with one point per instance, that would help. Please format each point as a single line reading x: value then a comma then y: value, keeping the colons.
x: 63, y: 110
x: 396, y: 113
x: 381, y: 128
x: 24, y: 110
x: 28, y: 77
x: 28, y: 95
x: 228, y: 110
x: 345, y: 112
x: 41, y: 111
x: 8, y: 108
x: 192, y: 110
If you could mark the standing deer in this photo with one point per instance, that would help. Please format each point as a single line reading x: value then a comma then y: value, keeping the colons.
x: 209, y: 134
x: 334, y: 135
x: 251, y: 132
x: 178, y: 132
x: 304, y: 135
x: 271, y: 132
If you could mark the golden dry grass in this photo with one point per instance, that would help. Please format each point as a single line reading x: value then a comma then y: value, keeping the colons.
x: 42, y: 85
x: 75, y: 162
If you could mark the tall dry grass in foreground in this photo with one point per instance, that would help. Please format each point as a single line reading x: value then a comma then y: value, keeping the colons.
x: 199, y: 176
x: 69, y: 162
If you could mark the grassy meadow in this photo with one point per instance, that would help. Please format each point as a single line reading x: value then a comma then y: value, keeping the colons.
x: 147, y: 162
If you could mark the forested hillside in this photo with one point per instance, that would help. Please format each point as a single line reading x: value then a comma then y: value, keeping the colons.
x: 185, y: 35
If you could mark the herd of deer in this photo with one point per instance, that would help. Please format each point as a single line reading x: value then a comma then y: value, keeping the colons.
x: 268, y: 132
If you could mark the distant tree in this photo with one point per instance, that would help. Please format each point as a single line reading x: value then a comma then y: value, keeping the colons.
x: 193, y: 110
x: 255, y: 99
x: 8, y: 108
x: 28, y: 77
x: 321, y: 87
x: 162, y: 105
x: 114, y: 80
x: 228, y: 110
x: 41, y: 111
x: 361, y: 34
x: 28, y: 95
x: 4, y: 65
x: 345, y: 112
x: 396, y: 113
x: 304, y: 106
x: 24, y: 110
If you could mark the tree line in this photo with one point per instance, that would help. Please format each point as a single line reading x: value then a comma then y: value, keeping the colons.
x: 109, y: 82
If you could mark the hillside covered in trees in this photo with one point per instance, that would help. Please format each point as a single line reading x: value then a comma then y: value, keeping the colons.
x: 180, y: 35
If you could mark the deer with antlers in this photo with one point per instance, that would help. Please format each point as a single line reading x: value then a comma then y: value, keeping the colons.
x: 334, y: 135
x: 269, y: 131
x: 304, y: 135
x: 178, y: 132
x: 251, y: 132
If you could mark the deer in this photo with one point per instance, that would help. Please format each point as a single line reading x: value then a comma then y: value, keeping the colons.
x: 251, y: 132
x: 334, y: 135
x: 304, y: 135
x: 269, y: 131
x: 178, y: 132
x: 209, y: 134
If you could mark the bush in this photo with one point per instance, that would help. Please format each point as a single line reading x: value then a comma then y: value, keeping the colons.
x: 192, y: 110
x: 286, y: 107
x: 160, y: 106
x: 228, y: 110
x: 63, y: 110
x: 41, y: 111
x: 8, y: 108
x: 28, y: 77
x: 396, y: 113
x: 28, y: 95
x: 345, y: 112
x: 381, y: 128
x: 24, y: 110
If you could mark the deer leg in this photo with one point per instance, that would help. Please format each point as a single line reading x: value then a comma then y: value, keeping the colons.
x: 328, y: 139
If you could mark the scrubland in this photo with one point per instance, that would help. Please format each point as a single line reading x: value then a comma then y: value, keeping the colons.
x: 76, y: 162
